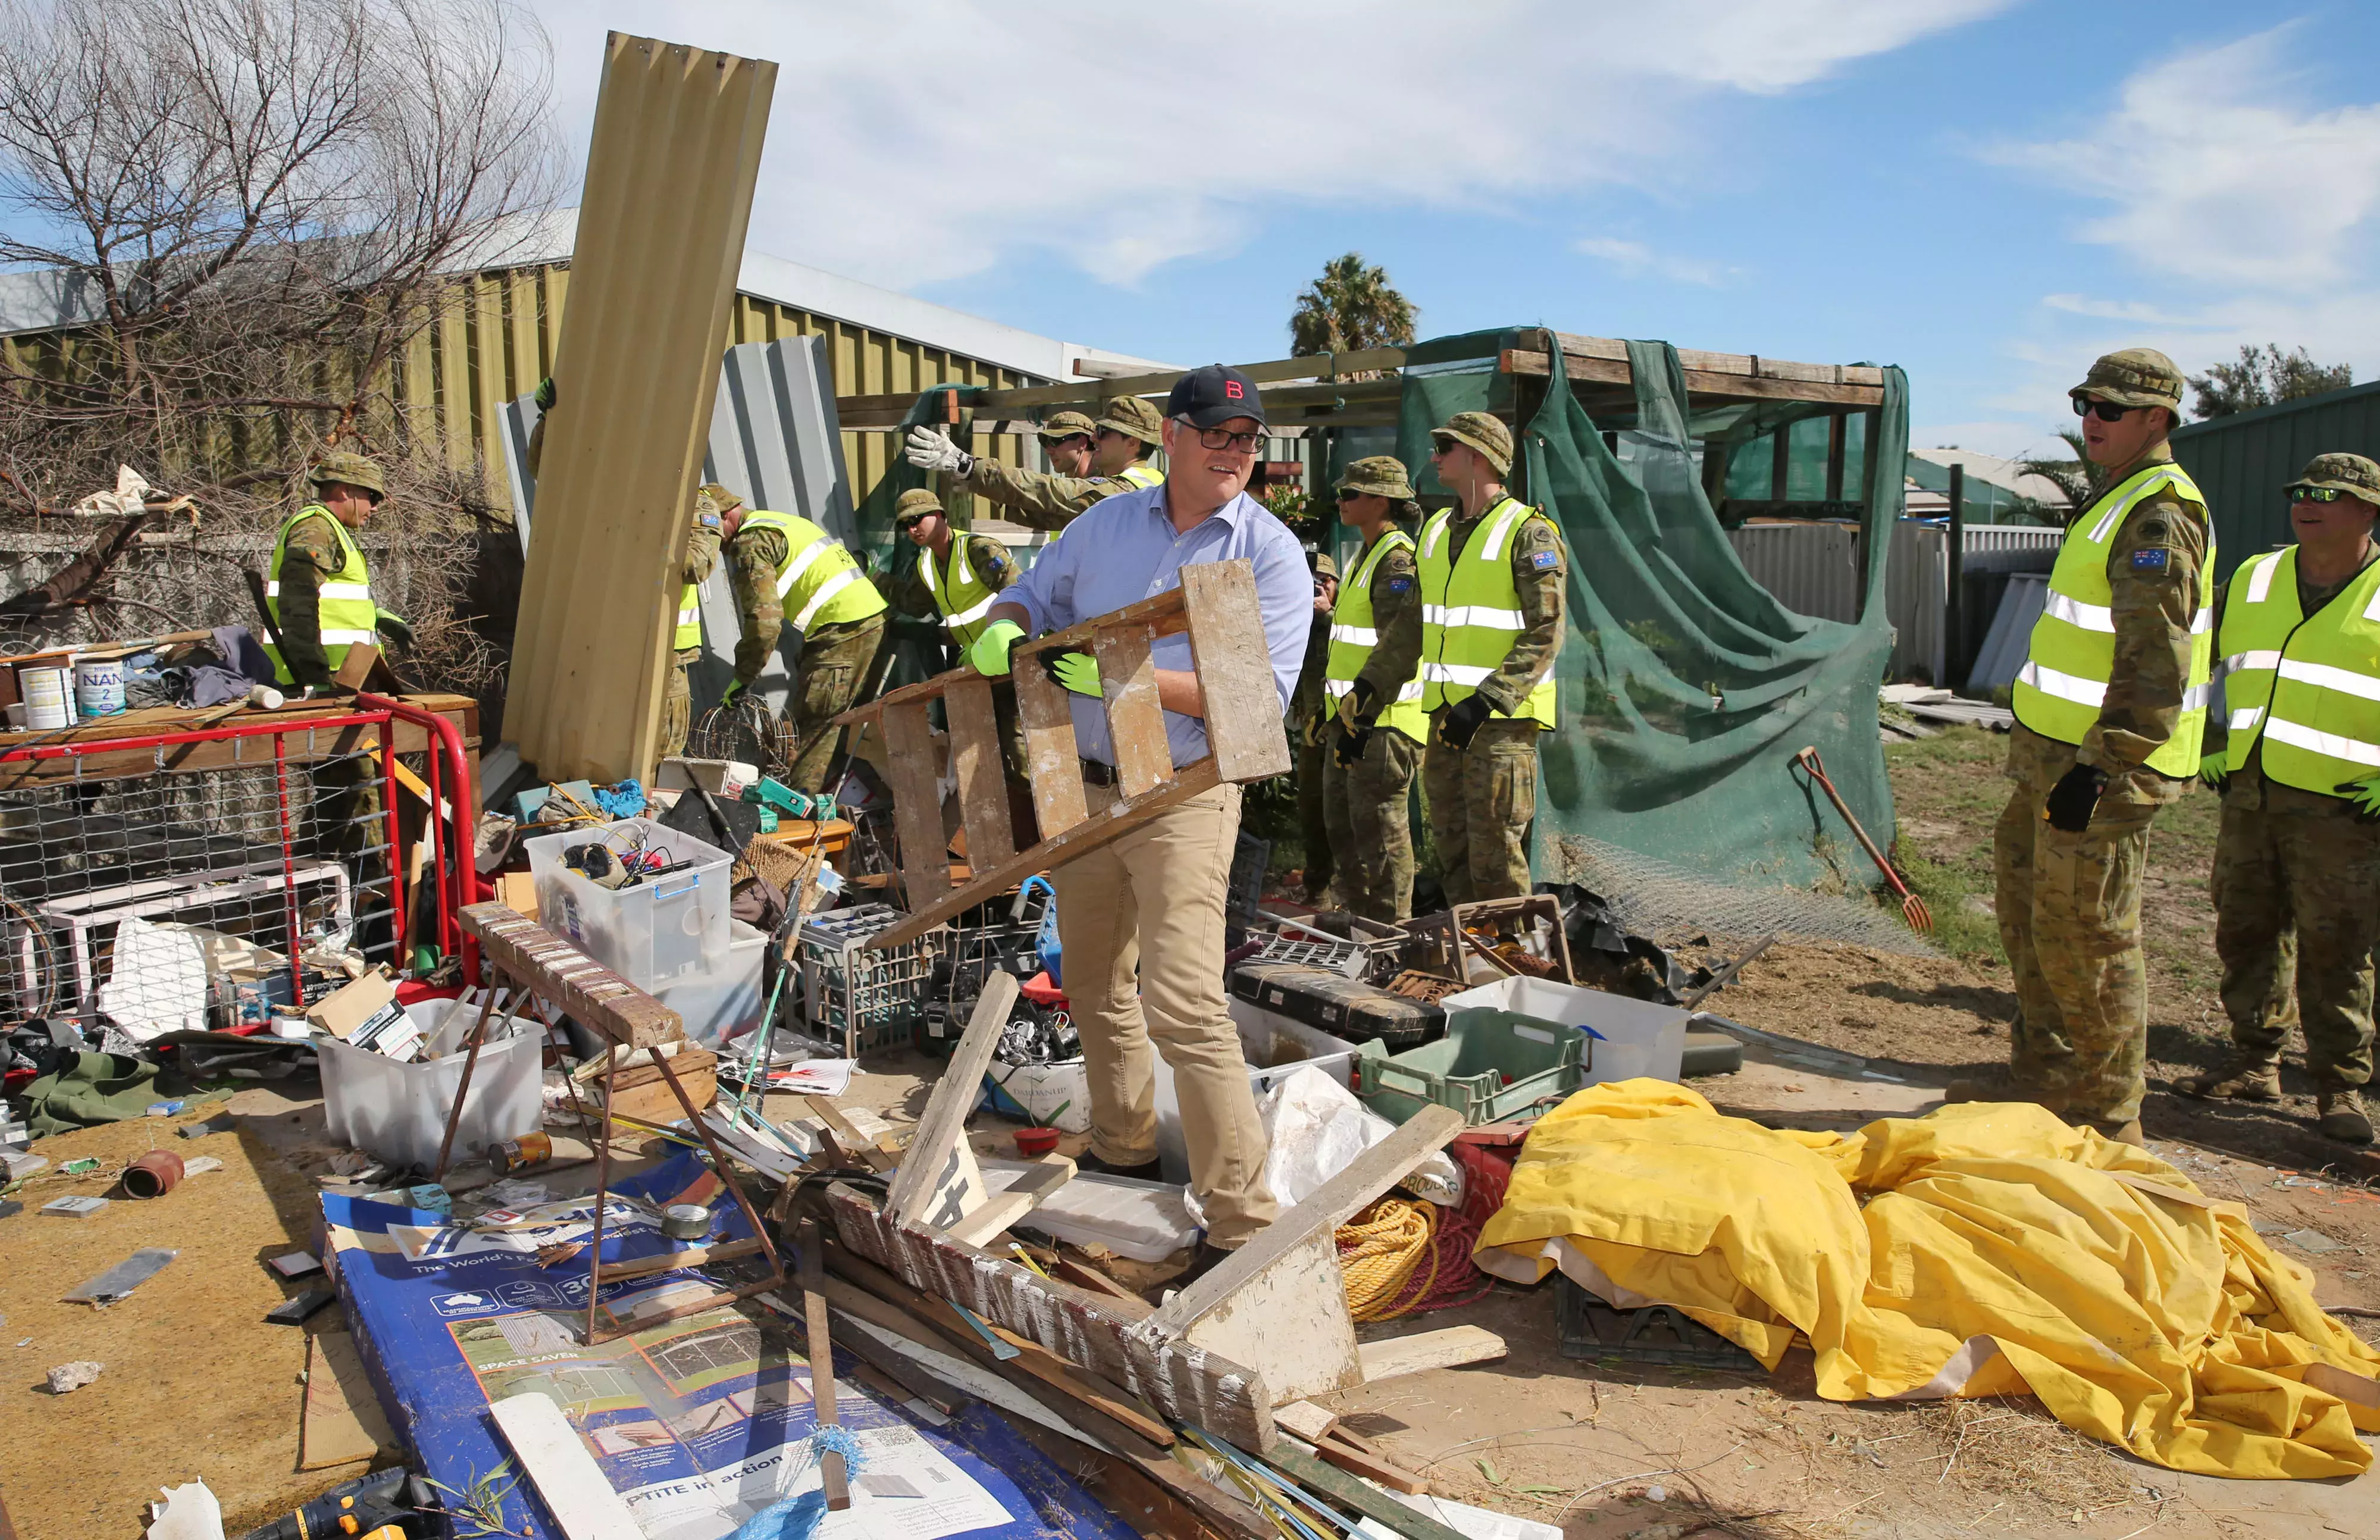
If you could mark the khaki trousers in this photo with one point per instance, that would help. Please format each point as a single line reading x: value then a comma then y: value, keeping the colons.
x: 1142, y: 924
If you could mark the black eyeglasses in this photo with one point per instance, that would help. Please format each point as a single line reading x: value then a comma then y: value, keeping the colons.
x: 1220, y: 438
x: 2106, y: 411
x: 2315, y: 494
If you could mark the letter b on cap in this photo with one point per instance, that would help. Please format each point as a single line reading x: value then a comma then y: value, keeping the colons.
x: 1231, y: 391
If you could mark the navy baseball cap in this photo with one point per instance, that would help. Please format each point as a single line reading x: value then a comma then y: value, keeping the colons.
x: 1215, y: 394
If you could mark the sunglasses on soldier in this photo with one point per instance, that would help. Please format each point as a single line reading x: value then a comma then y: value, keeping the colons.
x: 2106, y: 411
x: 2315, y: 494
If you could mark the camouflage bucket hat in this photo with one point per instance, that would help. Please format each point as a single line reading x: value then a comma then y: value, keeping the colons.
x: 1379, y: 476
x: 914, y: 505
x: 2351, y: 474
x: 1133, y: 416
x: 1482, y: 432
x: 354, y: 470
x: 2135, y: 377
x: 1065, y: 425
x: 1324, y: 567
x: 721, y: 498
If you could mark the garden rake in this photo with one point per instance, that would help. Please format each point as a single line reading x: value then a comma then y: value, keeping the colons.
x: 1912, y: 908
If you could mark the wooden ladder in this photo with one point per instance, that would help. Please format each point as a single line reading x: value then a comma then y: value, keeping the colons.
x: 1215, y: 604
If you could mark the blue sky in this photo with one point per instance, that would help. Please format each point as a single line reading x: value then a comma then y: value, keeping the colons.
x: 1985, y: 193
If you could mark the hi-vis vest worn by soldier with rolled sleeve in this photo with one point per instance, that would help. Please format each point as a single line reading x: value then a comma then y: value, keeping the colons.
x: 2064, y: 680
x: 2307, y: 685
x: 1352, y: 637
x: 959, y: 594
x: 346, y: 614
x: 1471, y: 611
x: 819, y: 583
x: 689, y: 619
x: 1139, y: 475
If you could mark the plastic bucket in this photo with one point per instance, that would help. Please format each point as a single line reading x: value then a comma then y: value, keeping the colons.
x: 99, y: 686
x: 44, y: 692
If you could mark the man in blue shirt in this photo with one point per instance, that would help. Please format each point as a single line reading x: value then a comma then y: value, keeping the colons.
x: 1153, y: 901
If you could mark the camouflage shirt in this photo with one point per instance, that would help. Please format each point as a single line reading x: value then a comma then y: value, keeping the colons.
x: 1540, y: 589
x: 908, y: 594
x: 754, y: 558
x: 311, y: 554
x: 1039, y: 499
x: 2152, y: 606
x: 1396, y: 619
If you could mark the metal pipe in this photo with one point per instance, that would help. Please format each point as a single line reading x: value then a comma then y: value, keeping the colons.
x: 1954, y: 607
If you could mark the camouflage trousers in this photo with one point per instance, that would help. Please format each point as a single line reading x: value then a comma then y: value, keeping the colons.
x: 677, y: 708
x: 1481, y: 801
x: 1313, y: 818
x: 2284, y: 861
x: 1368, y: 805
x: 829, y: 674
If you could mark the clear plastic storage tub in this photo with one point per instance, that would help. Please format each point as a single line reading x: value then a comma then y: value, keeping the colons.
x: 722, y: 1002
x: 1638, y: 1037
x: 1274, y: 1045
x: 662, y: 928
x: 397, y: 1113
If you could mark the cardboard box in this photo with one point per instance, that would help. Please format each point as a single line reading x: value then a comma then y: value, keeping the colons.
x: 516, y: 891
x: 345, y: 1008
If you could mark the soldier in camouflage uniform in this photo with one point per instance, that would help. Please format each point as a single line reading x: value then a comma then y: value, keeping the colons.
x: 1369, y: 778
x: 1309, y: 715
x: 1487, y: 683
x: 2300, y: 843
x: 919, y: 517
x: 1121, y: 441
x: 847, y: 624
x: 2092, y: 761
x: 711, y: 526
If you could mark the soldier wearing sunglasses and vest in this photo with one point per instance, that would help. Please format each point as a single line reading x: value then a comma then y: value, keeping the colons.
x: 785, y: 569
x: 1373, y: 680
x: 1119, y: 445
x: 1491, y: 571
x: 956, y: 579
x: 2110, y: 711
x: 2297, y: 759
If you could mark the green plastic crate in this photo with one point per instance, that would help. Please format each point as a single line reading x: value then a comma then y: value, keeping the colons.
x: 1490, y: 1065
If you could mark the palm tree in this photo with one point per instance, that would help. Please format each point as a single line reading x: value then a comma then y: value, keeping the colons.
x: 1349, y: 309
x: 2077, y: 476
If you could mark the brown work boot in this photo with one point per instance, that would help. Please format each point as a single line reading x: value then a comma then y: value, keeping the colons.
x: 2340, y: 1115
x: 2250, y: 1076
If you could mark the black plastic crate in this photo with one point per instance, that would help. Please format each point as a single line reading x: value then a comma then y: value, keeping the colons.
x: 1651, y: 1334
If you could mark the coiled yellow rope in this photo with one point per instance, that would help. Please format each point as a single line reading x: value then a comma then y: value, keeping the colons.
x: 1380, y: 1250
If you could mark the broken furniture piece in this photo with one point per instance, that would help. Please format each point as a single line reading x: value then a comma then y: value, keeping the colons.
x: 1216, y: 605
x: 558, y: 979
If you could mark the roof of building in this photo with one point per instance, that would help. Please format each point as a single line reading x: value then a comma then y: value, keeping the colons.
x: 2009, y: 476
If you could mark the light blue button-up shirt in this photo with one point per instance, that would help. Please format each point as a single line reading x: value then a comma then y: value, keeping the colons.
x: 1122, y: 550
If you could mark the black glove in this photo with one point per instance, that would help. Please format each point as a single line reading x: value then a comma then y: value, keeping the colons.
x: 2074, y: 798
x: 1360, y: 707
x: 1347, y: 744
x: 544, y: 395
x: 395, y: 628
x: 1459, y: 724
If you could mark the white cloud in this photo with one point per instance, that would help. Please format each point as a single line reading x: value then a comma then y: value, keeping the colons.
x: 1635, y: 258
x: 925, y: 142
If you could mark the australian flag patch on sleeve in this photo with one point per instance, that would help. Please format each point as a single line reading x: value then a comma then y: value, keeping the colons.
x: 1398, y: 585
x: 2150, y: 559
x: 1545, y: 559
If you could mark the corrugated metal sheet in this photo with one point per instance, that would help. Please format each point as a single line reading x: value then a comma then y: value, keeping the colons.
x: 675, y: 151
x: 1814, y: 569
x: 2242, y: 462
x: 1919, y: 574
x: 2010, y: 637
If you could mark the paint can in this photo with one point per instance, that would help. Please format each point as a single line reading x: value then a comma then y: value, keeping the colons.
x: 154, y: 1175
x: 686, y: 1221
x: 99, y: 686
x: 508, y: 1156
x: 45, y: 692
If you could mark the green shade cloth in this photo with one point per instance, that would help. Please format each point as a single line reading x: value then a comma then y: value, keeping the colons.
x: 95, y: 1088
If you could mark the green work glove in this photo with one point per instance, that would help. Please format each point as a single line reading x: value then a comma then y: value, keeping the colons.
x: 988, y: 654
x: 2365, y: 795
x: 727, y: 698
x: 1078, y: 671
x: 544, y: 397
x: 395, y: 627
x: 2211, y: 770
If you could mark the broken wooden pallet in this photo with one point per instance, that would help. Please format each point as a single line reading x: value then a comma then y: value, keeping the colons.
x: 1216, y: 605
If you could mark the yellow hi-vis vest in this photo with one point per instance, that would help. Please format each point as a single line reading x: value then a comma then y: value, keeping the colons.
x: 347, y: 614
x: 689, y: 619
x: 1353, y: 638
x: 962, y: 597
x: 2309, y: 686
x: 819, y: 583
x: 2064, y: 680
x: 1471, y: 611
x: 1141, y: 474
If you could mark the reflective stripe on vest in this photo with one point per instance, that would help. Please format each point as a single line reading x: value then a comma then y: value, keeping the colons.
x: 344, y: 614
x: 2306, y: 686
x: 1352, y: 637
x: 963, y: 600
x: 820, y: 583
x: 1471, y: 611
x: 2064, y: 680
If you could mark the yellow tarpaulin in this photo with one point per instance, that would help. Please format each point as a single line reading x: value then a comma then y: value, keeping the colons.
x: 1997, y: 1252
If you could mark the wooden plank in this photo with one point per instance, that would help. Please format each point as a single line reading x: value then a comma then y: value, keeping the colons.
x: 1165, y: 614
x: 1309, y: 367
x: 1112, y: 823
x: 1369, y: 1463
x: 847, y: 1136
x: 943, y: 1128
x: 1047, y: 719
x: 1306, y: 1420
x: 1084, y: 1277
x: 1290, y: 1315
x: 1234, y: 668
x: 343, y: 1421
x: 1006, y: 1206
x: 1448, y: 1348
x: 1123, y: 1490
x: 569, y: 980
x: 1733, y: 363
x: 1187, y: 1384
x: 571, y: 1484
x: 1348, y: 1492
x: 1135, y: 721
x: 1728, y: 386
x: 818, y: 1346
x: 645, y: 1267
x: 975, y: 758
x: 917, y: 804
